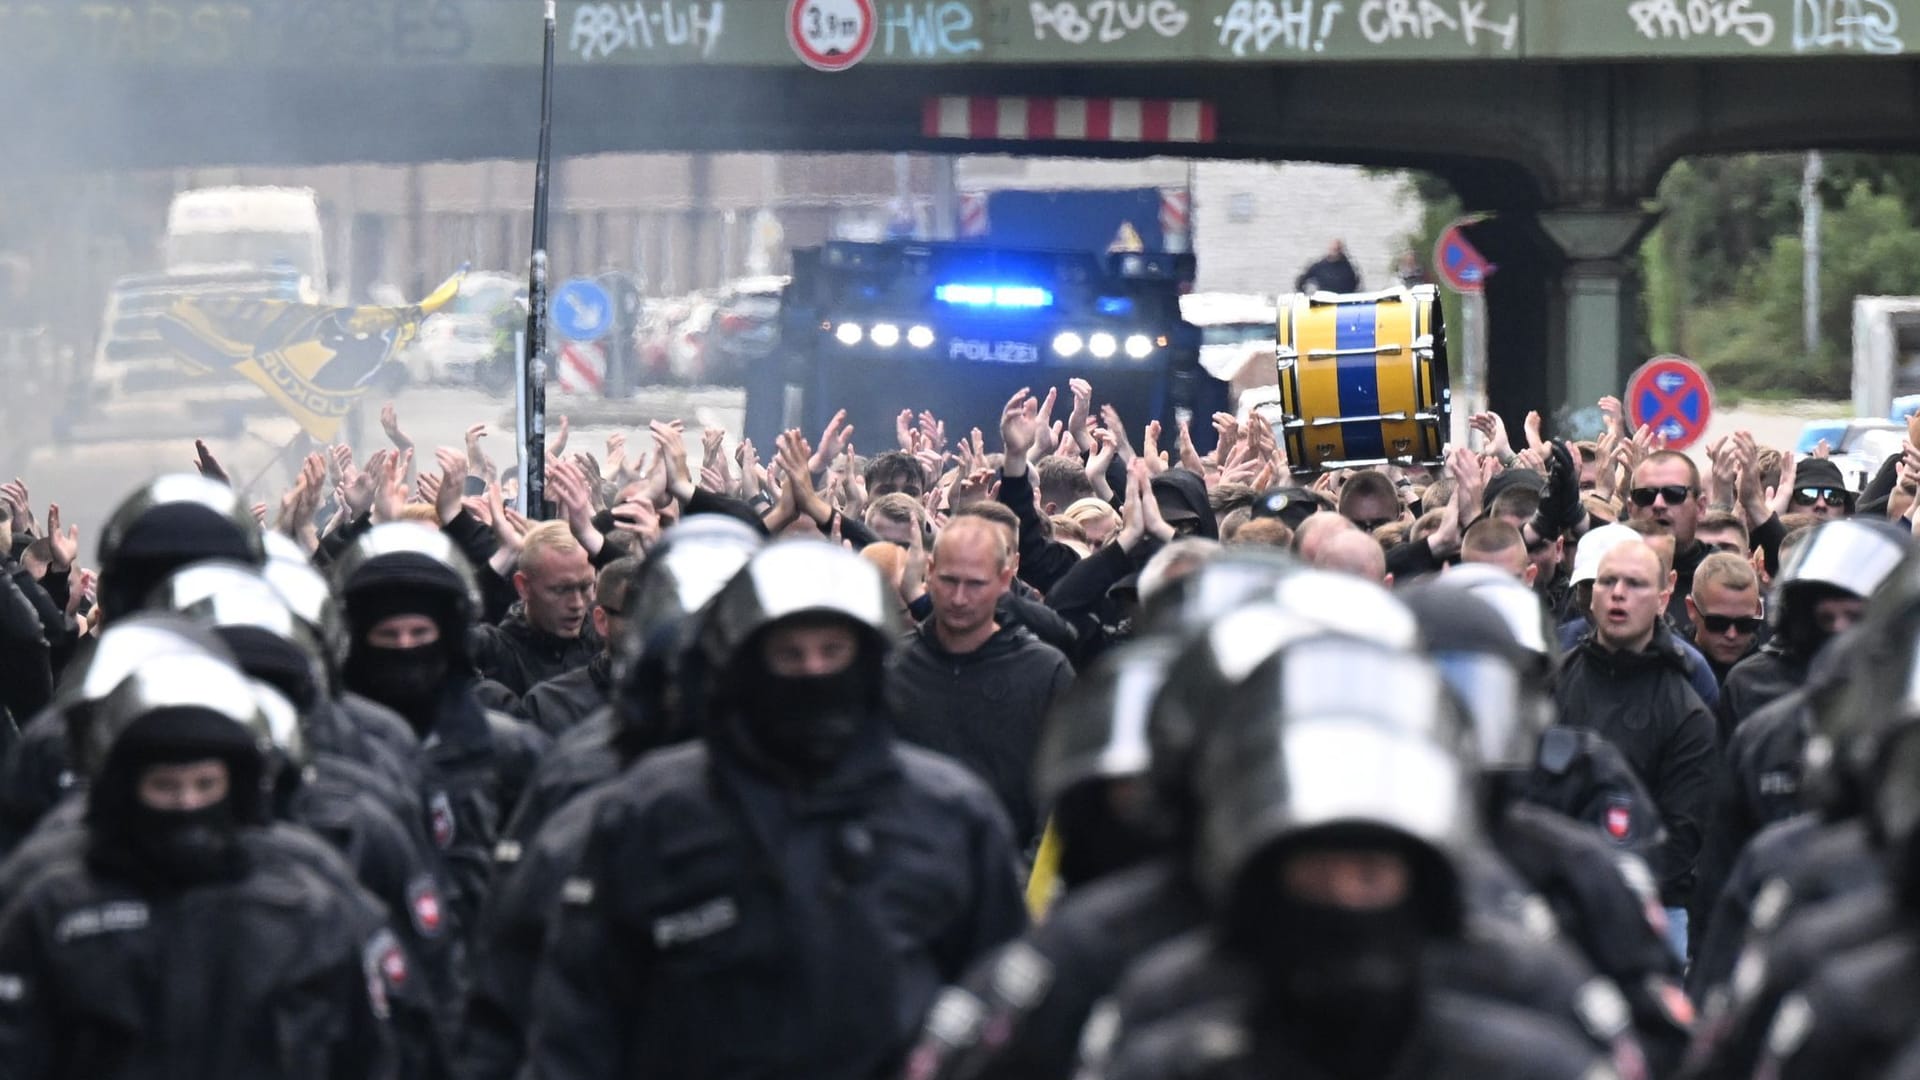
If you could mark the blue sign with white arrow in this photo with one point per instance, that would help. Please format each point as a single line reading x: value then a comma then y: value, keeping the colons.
x: 581, y: 310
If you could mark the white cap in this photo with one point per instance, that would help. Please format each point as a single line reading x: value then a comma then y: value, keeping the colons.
x: 1594, y: 547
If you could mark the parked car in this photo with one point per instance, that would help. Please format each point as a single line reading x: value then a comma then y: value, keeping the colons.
x: 745, y: 329
x: 1858, y: 446
x: 456, y: 344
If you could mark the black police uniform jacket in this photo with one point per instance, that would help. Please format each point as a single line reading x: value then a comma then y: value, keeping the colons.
x: 1757, y: 681
x: 277, y: 975
x: 476, y: 764
x: 562, y: 702
x: 1642, y: 703
x: 1019, y: 1013
x: 1761, y: 772
x: 518, y: 655
x: 1457, y: 1037
x: 720, y: 925
x: 1781, y: 959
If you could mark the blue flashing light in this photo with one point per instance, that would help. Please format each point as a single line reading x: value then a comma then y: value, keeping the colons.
x: 998, y: 296
x: 1114, y: 305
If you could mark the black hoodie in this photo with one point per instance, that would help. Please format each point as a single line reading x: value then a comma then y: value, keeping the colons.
x: 984, y: 709
x: 1180, y: 488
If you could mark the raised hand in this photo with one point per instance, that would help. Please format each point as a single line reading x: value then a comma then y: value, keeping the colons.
x: 502, y: 519
x: 1082, y: 392
x: 638, y: 516
x: 1226, y: 432
x: 357, y: 488
x: 671, y: 447
x: 1616, y: 420
x: 832, y: 442
x: 933, y: 431
x: 19, y: 502
x: 1531, y: 428
x: 1110, y: 419
x: 390, y: 487
x: 453, y: 481
x: 1019, y: 429
x: 903, y: 432
x: 208, y: 465
x: 1190, y: 458
x: 62, y: 548
x: 568, y: 485
x: 390, y: 423
x: 795, y: 459
x: 1494, y: 429
x: 1047, y: 435
x: 558, y: 445
x: 339, y: 464
x: 1100, y: 460
x: 1150, y: 451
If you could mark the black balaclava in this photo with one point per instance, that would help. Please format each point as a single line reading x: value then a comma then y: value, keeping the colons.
x: 1344, y: 985
x: 803, y: 726
x: 1799, y: 635
x: 1096, y: 839
x: 175, y: 849
x: 408, y: 681
x: 164, y: 539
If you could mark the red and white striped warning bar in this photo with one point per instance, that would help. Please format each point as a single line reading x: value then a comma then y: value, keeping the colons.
x: 1147, y: 120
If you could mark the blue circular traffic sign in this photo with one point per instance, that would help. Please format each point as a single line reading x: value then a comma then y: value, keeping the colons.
x: 581, y: 310
x: 1671, y: 395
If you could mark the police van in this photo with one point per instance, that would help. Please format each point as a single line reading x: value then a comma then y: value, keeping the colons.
x: 957, y: 328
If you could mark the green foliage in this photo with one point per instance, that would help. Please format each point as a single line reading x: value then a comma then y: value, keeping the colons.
x: 1723, y: 271
x: 1439, y: 208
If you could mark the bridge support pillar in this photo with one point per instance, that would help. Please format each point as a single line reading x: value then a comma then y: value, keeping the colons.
x: 1597, y: 297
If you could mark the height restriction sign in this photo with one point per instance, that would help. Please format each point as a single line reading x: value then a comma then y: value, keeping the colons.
x: 830, y: 35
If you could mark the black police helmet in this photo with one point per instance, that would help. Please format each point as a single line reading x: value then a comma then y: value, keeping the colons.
x: 169, y: 522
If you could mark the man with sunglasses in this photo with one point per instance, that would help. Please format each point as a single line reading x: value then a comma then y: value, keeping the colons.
x: 1724, y: 608
x: 1820, y: 490
x: 1666, y: 493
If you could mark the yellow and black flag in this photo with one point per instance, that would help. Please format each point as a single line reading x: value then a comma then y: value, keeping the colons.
x: 314, y: 361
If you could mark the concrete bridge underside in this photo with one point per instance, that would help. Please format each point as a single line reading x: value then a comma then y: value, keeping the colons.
x: 1566, y: 155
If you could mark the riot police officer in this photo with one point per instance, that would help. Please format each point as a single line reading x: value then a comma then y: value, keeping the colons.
x: 1817, y: 882
x: 374, y: 825
x: 163, y: 525
x: 184, y: 935
x: 653, y: 674
x: 410, y: 599
x: 1021, y: 1011
x: 1490, y: 638
x: 788, y: 894
x: 1820, y: 593
x: 1333, y: 795
x: 343, y: 723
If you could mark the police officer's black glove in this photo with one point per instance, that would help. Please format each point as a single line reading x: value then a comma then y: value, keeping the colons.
x: 1560, y: 508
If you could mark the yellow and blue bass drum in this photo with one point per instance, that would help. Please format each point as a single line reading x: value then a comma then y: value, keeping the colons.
x: 1363, y: 379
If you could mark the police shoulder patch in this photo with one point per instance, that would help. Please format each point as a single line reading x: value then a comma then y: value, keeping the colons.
x: 440, y: 812
x: 385, y: 967
x: 423, y: 904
